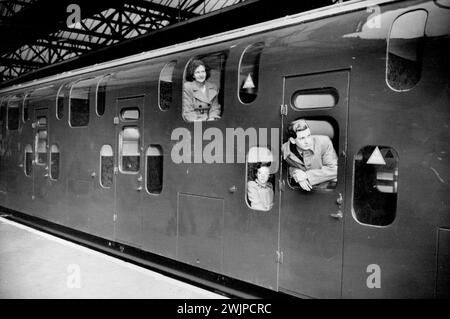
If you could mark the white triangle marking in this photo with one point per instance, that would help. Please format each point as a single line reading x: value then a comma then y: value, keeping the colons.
x: 376, y: 157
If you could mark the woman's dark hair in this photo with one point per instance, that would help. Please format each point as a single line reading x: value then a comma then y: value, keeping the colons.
x: 191, y: 69
x: 257, y: 166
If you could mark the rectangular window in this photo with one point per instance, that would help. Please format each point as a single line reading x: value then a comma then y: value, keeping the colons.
x: 106, y: 166
x: 28, y: 160
x: 41, y: 140
x: 155, y: 161
x: 13, y: 112
x: 129, y: 145
x: 54, y: 162
x: 375, y: 185
x: 79, y: 103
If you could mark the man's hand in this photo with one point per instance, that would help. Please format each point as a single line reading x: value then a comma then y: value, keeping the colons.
x: 302, y: 179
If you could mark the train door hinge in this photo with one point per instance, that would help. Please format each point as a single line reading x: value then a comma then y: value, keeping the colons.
x: 116, y: 120
x: 279, y: 257
x: 115, y: 217
x: 283, y: 109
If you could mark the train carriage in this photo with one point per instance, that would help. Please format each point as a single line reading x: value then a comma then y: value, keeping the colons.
x: 105, y: 150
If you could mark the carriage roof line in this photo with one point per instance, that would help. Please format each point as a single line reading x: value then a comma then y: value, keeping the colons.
x: 209, y: 40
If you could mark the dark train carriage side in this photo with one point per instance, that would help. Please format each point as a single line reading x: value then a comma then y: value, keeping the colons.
x: 106, y: 151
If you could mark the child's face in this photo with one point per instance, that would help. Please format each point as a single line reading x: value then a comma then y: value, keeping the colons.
x: 263, y: 174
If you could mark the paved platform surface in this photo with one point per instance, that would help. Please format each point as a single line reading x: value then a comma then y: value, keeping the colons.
x: 34, y: 264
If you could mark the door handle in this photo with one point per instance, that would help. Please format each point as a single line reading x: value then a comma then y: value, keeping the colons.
x: 338, y: 215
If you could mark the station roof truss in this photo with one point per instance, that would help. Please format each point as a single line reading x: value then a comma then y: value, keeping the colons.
x: 38, y: 33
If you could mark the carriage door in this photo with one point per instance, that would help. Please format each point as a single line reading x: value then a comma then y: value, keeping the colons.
x: 128, y: 169
x: 311, y: 232
x: 40, y: 163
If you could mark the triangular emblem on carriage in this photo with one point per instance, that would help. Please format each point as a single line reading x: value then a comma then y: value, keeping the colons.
x: 376, y: 158
x: 249, y: 82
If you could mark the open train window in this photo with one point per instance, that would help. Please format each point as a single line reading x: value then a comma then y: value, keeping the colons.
x: 404, y: 50
x: 54, y: 162
x: 26, y: 108
x: 28, y: 159
x: 166, y: 85
x: 249, y: 72
x: 101, y: 95
x: 375, y: 185
x: 129, y: 114
x: 14, y: 112
x: 260, y: 185
x: 204, y: 102
x: 315, y: 98
x: 79, y: 102
x: 129, y: 149
x: 322, y: 171
x: 106, y: 166
x: 154, y: 162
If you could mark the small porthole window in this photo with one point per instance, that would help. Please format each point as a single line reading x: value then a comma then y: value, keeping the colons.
x: 375, y: 185
x: 28, y: 160
x: 249, y: 73
x: 261, y: 169
x: 129, y: 114
x: 154, y: 162
x: 315, y: 98
x: 404, y: 51
x: 54, y: 162
x: 101, y: 95
x: 166, y: 86
x: 106, y: 166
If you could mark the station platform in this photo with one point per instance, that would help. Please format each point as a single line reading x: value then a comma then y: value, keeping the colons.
x: 36, y: 265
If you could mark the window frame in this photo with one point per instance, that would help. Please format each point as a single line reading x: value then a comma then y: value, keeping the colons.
x: 89, y: 100
x: 388, y: 44
x: 239, y: 71
x: 104, y: 77
x: 51, y: 162
x: 120, y: 157
x: 174, y: 62
x: 159, y: 147
x: 100, y: 168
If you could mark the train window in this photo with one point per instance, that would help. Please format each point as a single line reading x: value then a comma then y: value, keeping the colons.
x: 101, y: 95
x: 261, y: 169
x: 249, y: 73
x: 13, y: 112
x: 28, y: 160
x: 3, y: 117
x: 129, y: 114
x: 79, y: 104
x: 154, y: 159
x: 404, y: 52
x: 315, y: 98
x: 204, y: 103
x: 106, y: 166
x: 129, y: 140
x: 60, y: 97
x: 166, y: 85
x: 41, y: 141
x: 54, y: 162
x: 26, y: 108
x: 375, y: 185
x: 319, y: 161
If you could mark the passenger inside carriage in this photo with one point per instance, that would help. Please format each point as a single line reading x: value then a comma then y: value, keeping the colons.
x: 260, y: 189
x: 312, y: 159
x: 200, y: 97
